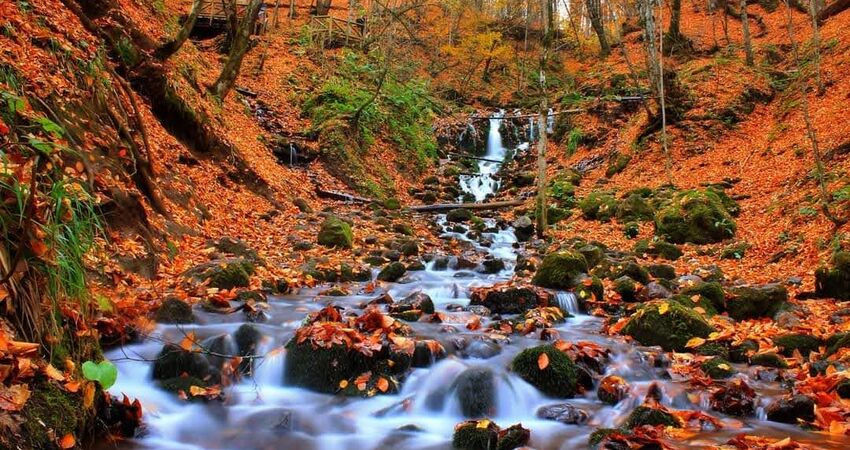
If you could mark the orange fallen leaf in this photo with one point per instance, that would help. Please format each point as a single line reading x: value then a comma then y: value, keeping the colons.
x: 543, y: 361
x: 382, y: 384
x: 67, y: 441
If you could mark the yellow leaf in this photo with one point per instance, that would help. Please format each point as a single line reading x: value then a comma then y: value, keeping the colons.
x: 483, y: 424
x: 343, y: 384
x: 543, y: 361
x: 695, y: 342
x: 54, y: 373
x: 724, y: 366
x: 663, y: 308
x: 88, y: 395
x: 195, y: 391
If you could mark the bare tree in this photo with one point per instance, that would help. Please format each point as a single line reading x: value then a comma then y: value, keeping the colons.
x: 594, y: 11
x: 675, y: 18
x: 171, y: 47
x: 745, y: 23
x: 813, y: 11
x: 238, y: 49
x: 548, y: 36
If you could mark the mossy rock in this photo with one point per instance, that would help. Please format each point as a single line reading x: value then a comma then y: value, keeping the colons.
x: 644, y: 415
x: 634, y: 208
x: 599, y: 435
x: 717, y: 368
x: 392, y: 272
x: 513, y: 437
x: 694, y: 216
x: 475, y: 389
x: 173, y: 361
x: 302, y: 205
x: 601, y: 206
x: 626, y: 288
x: 713, y: 348
x: 659, y: 248
x: 834, y: 282
x: 587, y: 291
x: 50, y: 413
x: 688, y: 301
x: 631, y: 230
x: 559, y: 270
x: 322, y: 369
x: 617, y: 164
x: 752, y: 302
x: 735, y: 251
x: 563, y: 192
x: 662, y: 271
x: 559, y: 379
x: 335, y: 232
x: 768, y: 360
x: 459, y: 215
x: 476, y: 435
x: 238, y: 248
x: 671, y: 330
x: 592, y: 254
x: 740, y: 353
x: 805, y: 343
x: 392, y: 204
x: 174, y: 310
x: 630, y: 269
x: 556, y: 214
x: 513, y: 300
x: 711, y: 292
x: 224, y: 273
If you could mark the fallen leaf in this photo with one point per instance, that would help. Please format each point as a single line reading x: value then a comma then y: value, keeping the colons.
x: 695, y: 342
x: 382, y: 384
x: 663, y: 308
x: 67, y: 441
x: 543, y: 361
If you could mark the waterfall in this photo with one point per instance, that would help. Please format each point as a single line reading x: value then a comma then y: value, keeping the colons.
x: 485, y: 183
x: 568, y: 302
x: 293, y: 154
x: 550, y: 121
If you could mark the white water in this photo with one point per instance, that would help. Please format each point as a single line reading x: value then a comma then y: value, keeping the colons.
x: 485, y: 182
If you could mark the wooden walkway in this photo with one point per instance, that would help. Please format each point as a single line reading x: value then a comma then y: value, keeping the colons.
x: 329, y: 31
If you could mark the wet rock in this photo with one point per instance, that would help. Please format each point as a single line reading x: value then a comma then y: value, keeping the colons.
x: 645, y: 415
x: 441, y: 263
x: 741, y: 353
x: 510, y: 300
x: 834, y: 282
x: 418, y: 301
x: 653, y: 291
x: 588, y: 289
x: 335, y: 232
x: 174, y: 310
x: 427, y: 352
x: 717, y: 368
x: 459, y: 215
x: 475, y: 389
x: 462, y: 263
x: 804, y: 343
x: 768, y: 359
x: 613, y: 389
x: 247, y: 338
x: 630, y: 269
x: 697, y: 217
x: 416, y: 266
x: 223, y: 273
x: 788, y: 410
x: 479, y: 310
x: 321, y: 369
x: 475, y: 435
x: 513, y: 437
x: 392, y: 255
x: 523, y: 228
x: 625, y: 287
x: 392, y: 272
x: 735, y: 399
x: 492, y: 266
x: 558, y: 378
x: 662, y: 271
x: 751, y: 302
x: 564, y: 413
x: 174, y: 362
x: 711, y: 292
x: 409, y: 248
x: 480, y: 349
x: 559, y: 270
x: 671, y: 330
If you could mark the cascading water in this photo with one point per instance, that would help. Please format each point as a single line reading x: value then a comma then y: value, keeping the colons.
x: 485, y: 183
x: 263, y: 413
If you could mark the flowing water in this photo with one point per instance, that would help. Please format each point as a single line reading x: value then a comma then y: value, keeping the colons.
x: 263, y: 413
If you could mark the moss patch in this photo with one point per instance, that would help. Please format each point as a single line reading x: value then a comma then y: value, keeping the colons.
x: 695, y: 216
x: 666, y: 324
x: 335, y: 232
x: 559, y: 270
x: 559, y: 379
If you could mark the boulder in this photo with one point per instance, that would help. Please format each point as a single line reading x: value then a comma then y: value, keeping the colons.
x: 476, y: 435
x: 600, y: 206
x: 735, y: 399
x: 645, y: 415
x: 711, y: 292
x: 805, y: 343
x: 717, y: 368
x: 392, y: 272
x: 174, y: 362
x: 459, y: 215
x: 662, y: 271
x: 335, y: 232
x: 417, y: 301
x: 475, y: 389
x: 321, y: 369
x: 564, y: 413
x: 659, y: 248
x: 427, y: 352
x: 752, y: 302
x: 768, y: 359
x: 834, y: 282
x: 653, y: 291
x: 612, y: 389
x: 237, y: 248
x: 634, y: 208
x: 558, y: 378
x: 174, y: 310
x: 523, y: 228
x: 627, y: 290
x: 510, y: 299
x: 788, y: 410
x: 695, y: 216
x: 223, y: 273
x: 559, y: 270
x: 666, y: 324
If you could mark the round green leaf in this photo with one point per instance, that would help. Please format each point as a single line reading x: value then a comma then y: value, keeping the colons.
x: 103, y: 372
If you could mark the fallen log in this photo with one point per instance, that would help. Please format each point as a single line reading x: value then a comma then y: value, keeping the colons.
x: 474, y: 206
x: 832, y: 9
x: 477, y: 158
x: 336, y: 195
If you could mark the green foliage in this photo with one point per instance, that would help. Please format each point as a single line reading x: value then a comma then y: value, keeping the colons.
x: 573, y: 140
x: 103, y: 372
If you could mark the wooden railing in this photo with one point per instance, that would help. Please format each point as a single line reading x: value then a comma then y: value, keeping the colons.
x: 332, y: 31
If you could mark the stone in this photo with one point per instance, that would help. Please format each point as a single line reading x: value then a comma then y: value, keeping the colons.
x: 559, y: 270
x: 671, y: 330
x: 558, y: 379
x: 564, y: 413
x: 334, y: 232
x: 788, y: 410
x: 753, y: 302
x: 475, y: 389
x: 174, y: 310
x: 392, y: 272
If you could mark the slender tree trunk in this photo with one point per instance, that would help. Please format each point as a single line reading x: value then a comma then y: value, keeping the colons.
x: 668, y: 160
x: 238, y: 49
x: 171, y: 47
x: 675, y: 19
x: 813, y: 11
x: 594, y: 10
x: 542, y: 206
x: 745, y: 23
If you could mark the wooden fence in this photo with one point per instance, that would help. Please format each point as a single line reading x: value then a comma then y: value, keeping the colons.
x: 328, y: 31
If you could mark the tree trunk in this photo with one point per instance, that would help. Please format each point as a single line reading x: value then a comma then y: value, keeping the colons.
x: 323, y: 7
x: 675, y: 19
x: 594, y: 10
x: 745, y: 23
x: 238, y: 49
x: 813, y: 11
x: 171, y: 47
x: 832, y: 9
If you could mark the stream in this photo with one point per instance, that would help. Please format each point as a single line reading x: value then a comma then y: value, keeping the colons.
x: 261, y: 412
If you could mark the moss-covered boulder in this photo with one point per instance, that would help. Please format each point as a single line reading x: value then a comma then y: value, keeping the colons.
x: 804, y: 343
x: 515, y: 436
x: 752, y: 302
x: 476, y: 435
x: 834, y: 282
x: 588, y: 288
x: 559, y: 378
x: 634, y: 208
x: 475, y: 389
x: 645, y: 415
x: 662, y: 271
x: 49, y: 414
x: 323, y: 369
x: 223, y: 273
x: 717, y: 368
x: 631, y: 230
x: 696, y: 302
x: 666, y: 324
x: 617, y: 164
x: 593, y: 254
x: 711, y: 292
x: 174, y: 310
x: 335, y: 232
x: 510, y: 299
x: 694, y: 216
x: 601, y: 206
x: 560, y: 269
x: 626, y: 288
x: 630, y: 269
x: 237, y: 248
x: 600, y: 435
x: 392, y: 272
x: 791, y: 410
x: 173, y: 361
x: 459, y: 215
x: 612, y: 389
x: 768, y: 359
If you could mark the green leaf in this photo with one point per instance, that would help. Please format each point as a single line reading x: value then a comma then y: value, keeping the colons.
x: 50, y: 126
x: 38, y: 144
x: 103, y: 372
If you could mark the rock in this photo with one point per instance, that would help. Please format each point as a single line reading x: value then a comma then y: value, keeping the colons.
x: 416, y: 266
x: 559, y: 270
x: 459, y: 215
x: 788, y: 410
x: 805, y: 343
x: 410, y: 248
x: 735, y: 399
x: 479, y: 310
x: 564, y: 413
x: 223, y: 273
x: 475, y: 435
x: 418, y: 301
x: 237, y: 248
x: 392, y: 272
x: 625, y: 287
x: 174, y: 310
x: 659, y: 248
x: 600, y: 435
x: 427, y: 352
x: 600, y: 206
x: 558, y: 378
x: 247, y: 338
x: 653, y: 291
x: 662, y: 271
x: 671, y: 330
x: 752, y: 302
x: 588, y: 289
x: 403, y: 228
x: 631, y: 230
x: 392, y: 255
x: 709, y: 273
x: 475, y: 389
x: 592, y: 254
x: 694, y: 216
x: 769, y: 359
x: 222, y: 344
x: 523, y: 228
x: 302, y: 205
x: 613, y: 389
x: 492, y: 266
x: 510, y: 299
x: 321, y: 369
x: 708, y: 292
x: 834, y: 282
x: 174, y: 362
x: 630, y: 269
x: 480, y: 349
x: 392, y: 204
x: 634, y: 208
x: 645, y: 415
x: 717, y: 368
x: 513, y: 437
x: 843, y: 389
x: 335, y: 232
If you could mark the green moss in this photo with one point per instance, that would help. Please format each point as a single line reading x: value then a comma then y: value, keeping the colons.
x: 631, y: 230
x: 717, y: 368
x: 740, y: 353
x: 392, y: 272
x: 392, y: 203
x: 644, y: 415
x: 599, y: 435
x: 322, y: 369
x: 632, y: 270
x: 560, y: 269
x: 634, y: 208
x: 555, y: 214
x: 594, y: 290
x: 513, y: 437
x: 600, y: 206
x: 768, y: 360
x: 470, y: 436
x: 750, y: 302
x: 174, y: 310
x: 711, y: 292
x: 459, y: 215
x: 834, y: 282
x: 231, y: 275
x: 592, y: 254
x: 626, y: 288
x: 49, y: 414
x: 694, y: 216
x: 559, y: 379
x: 805, y: 343
x: 735, y: 251
x: 563, y: 192
x: 713, y: 349
x: 662, y: 271
x: 660, y: 248
x: 618, y: 163
x: 335, y: 232
x: 689, y: 302
x: 671, y: 330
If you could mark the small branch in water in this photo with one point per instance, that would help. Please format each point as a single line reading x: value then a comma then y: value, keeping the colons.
x: 477, y: 158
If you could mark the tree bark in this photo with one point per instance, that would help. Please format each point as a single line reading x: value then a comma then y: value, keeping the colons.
x: 675, y: 19
x: 832, y: 9
x: 171, y: 47
x: 594, y: 10
x: 745, y: 23
x: 238, y: 49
